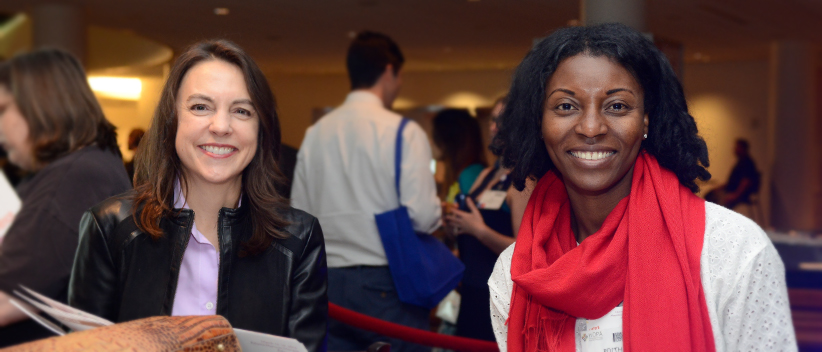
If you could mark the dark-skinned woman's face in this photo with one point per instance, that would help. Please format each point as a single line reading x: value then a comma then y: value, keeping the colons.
x: 593, y: 123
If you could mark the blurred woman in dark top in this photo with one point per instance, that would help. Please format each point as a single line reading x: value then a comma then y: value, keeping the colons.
x: 486, y: 230
x: 52, y: 127
x: 134, y: 138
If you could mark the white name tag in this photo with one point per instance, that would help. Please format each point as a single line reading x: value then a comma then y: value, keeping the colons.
x: 492, y: 200
x: 600, y: 335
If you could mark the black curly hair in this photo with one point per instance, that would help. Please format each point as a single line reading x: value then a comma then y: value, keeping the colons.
x: 672, y: 134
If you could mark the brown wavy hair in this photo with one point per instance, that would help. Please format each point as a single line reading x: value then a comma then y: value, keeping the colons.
x: 50, y: 88
x: 157, y: 164
x: 459, y: 137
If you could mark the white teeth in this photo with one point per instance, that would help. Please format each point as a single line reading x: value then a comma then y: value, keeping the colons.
x: 217, y: 150
x: 592, y: 155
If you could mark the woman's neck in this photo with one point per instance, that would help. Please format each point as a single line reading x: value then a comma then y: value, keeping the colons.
x: 206, y: 200
x: 209, y: 196
x: 589, y: 209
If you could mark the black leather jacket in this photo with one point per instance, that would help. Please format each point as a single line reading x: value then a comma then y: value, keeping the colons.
x: 121, y: 274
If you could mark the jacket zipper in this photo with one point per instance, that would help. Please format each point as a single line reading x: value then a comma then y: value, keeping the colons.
x: 220, y: 234
x: 178, y: 263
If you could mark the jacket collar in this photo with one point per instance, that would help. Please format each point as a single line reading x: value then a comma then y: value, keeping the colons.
x: 363, y: 97
x: 182, y: 214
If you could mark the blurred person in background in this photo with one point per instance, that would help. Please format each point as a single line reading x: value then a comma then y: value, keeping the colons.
x: 488, y: 226
x: 458, y: 138
x: 133, y: 142
x: 205, y: 231
x: 287, y: 162
x: 52, y: 127
x: 12, y: 172
x: 743, y: 182
x: 345, y: 175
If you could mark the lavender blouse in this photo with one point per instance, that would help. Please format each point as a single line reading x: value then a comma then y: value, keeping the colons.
x: 197, y: 284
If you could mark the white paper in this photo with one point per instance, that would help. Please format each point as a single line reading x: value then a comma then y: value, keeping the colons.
x: 36, y: 317
x: 600, y: 335
x: 449, y: 307
x: 251, y: 341
x: 67, y: 309
x: 491, y: 199
x: 9, y: 205
x: 74, y: 319
x: 79, y: 320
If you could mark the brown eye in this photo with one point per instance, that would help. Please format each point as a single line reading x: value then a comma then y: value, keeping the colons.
x: 243, y: 113
x: 565, y: 107
x: 618, y: 108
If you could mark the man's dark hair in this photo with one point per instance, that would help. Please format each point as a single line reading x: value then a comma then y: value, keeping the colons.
x: 742, y: 142
x: 672, y: 134
x: 368, y: 55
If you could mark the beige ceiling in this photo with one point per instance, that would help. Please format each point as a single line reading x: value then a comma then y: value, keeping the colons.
x: 288, y: 36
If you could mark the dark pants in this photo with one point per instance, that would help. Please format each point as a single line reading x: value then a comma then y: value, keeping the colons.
x: 370, y: 291
x: 474, y: 320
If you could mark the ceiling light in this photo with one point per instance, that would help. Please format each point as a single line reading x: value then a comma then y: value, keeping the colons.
x: 221, y: 11
x: 121, y: 88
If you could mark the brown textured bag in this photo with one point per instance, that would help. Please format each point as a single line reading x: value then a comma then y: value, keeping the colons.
x: 194, y: 333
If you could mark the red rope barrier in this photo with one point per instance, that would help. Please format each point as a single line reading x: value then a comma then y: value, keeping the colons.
x: 422, y: 337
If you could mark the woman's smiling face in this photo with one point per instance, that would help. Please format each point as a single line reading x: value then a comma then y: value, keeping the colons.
x: 217, y: 123
x: 593, y: 123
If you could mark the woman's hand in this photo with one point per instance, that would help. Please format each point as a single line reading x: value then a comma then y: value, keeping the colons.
x: 448, y: 229
x: 470, y: 223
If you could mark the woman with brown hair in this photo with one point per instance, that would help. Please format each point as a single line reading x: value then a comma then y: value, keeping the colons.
x: 212, y: 151
x: 459, y: 141
x: 53, y: 128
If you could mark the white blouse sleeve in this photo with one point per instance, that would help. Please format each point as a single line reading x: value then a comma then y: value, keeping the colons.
x: 745, y: 283
x: 501, y: 286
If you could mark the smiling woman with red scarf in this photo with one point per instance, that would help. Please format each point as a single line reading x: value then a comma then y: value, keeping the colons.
x: 615, y: 252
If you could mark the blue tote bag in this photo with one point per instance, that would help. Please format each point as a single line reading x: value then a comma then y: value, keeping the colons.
x: 423, y: 268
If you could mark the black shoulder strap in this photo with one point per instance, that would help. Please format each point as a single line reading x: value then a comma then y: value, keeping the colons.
x: 485, y: 181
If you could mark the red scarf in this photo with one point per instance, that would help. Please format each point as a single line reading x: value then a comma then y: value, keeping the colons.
x: 646, y: 255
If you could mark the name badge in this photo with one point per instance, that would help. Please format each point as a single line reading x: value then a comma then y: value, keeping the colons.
x: 600, y: 335
x: 492, y: 200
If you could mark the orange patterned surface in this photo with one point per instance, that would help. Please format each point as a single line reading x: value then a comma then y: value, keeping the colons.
x: 195, y: 333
